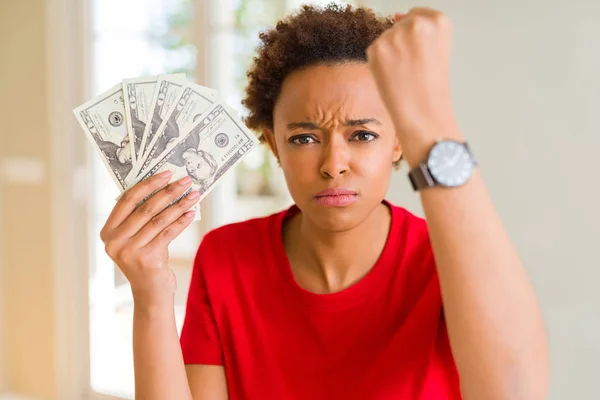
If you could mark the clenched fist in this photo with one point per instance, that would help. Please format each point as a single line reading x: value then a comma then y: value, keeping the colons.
x: 411, y: 66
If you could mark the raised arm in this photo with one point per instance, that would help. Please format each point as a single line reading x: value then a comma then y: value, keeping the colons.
x: 137, y: 240
x: 495, y: 326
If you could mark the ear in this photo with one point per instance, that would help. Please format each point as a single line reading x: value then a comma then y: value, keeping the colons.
x: 397, y: 152
x: 270, y: 139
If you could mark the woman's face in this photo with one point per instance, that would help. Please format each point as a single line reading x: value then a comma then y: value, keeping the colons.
x: 332, y: 131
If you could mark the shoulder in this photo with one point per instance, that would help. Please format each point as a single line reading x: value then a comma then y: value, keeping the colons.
x: 414, y: 233
x: 236, y: 255
x: 247, y: 229
x: 243, y: 236
x: 413, y: 227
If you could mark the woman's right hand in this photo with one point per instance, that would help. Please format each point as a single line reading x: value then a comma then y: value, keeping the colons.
x: 137, y: 237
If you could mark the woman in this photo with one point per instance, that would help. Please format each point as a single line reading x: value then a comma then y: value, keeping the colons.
x: 340, y: 297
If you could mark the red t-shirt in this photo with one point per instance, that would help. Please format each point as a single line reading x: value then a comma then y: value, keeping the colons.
x: 382, y: 338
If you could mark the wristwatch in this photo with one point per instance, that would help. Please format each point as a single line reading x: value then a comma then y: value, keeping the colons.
x: 450, y: 164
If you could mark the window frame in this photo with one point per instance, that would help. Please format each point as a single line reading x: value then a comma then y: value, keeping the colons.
x: 67, y: 36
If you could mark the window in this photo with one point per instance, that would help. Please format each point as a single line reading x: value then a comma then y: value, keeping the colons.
x: 132, y: 38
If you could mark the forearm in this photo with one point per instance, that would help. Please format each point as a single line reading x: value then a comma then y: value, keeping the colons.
x: 495, y: 326
x: 494, y: 322
x: 158, y: 362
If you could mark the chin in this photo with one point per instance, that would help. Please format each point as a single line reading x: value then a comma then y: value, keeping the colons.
x: 336, y: 219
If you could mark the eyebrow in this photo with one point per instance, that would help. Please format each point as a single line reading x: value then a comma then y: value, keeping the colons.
x: 350, y: 122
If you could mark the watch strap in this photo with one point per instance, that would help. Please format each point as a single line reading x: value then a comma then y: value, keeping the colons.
x: 420, y: 177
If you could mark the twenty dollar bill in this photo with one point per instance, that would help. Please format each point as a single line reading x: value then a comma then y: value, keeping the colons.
x: 216, y: 143
x: 103, y: 121
x: 193, y: 101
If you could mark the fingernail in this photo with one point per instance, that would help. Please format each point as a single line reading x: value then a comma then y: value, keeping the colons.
x: 165, y: 174
x: 190, y: 214
x: 193, y: 195
x: 185, y: 180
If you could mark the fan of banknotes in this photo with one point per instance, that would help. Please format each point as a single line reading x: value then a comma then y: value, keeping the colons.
x: 144, y: 126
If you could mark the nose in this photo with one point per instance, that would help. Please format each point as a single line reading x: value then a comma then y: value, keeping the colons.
x: 335, y: 157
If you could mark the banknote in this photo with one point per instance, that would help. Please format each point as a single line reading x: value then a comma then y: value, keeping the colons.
x: 166, y: 95
x: 213, y: 146
x: 138, y: 98
x: 147, y: 125
x: 193, y: 101
x: 103, y: 121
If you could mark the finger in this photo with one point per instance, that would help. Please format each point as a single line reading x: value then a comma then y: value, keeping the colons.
x: 160, y: 221
x: 417, y: 13
x: 423, y: 11
x: 152, y: 207
x: 399, y: 16
x: 132, y: 197
x: 171, y: 231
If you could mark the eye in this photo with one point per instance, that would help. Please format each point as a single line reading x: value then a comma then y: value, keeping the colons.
x: 301, y: 140
x: 364, y: 136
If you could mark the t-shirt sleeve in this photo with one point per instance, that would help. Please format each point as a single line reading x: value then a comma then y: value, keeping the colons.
x: 199, y: 340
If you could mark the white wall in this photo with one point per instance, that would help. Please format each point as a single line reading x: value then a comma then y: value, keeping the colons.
x: 526, y: 82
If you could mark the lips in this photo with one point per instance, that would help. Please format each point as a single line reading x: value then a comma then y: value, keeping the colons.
x: 336, y: 197
x: 336, y: 192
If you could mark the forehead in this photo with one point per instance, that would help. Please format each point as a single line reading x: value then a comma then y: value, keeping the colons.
x: 329, y: 92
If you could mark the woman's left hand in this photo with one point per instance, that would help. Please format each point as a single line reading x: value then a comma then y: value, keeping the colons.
x: 411, y: 66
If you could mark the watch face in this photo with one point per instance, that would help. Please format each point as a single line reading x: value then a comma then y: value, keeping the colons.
x: 450, y: 163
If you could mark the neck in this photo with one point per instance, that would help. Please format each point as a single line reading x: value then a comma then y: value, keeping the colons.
x: 328, y: 262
